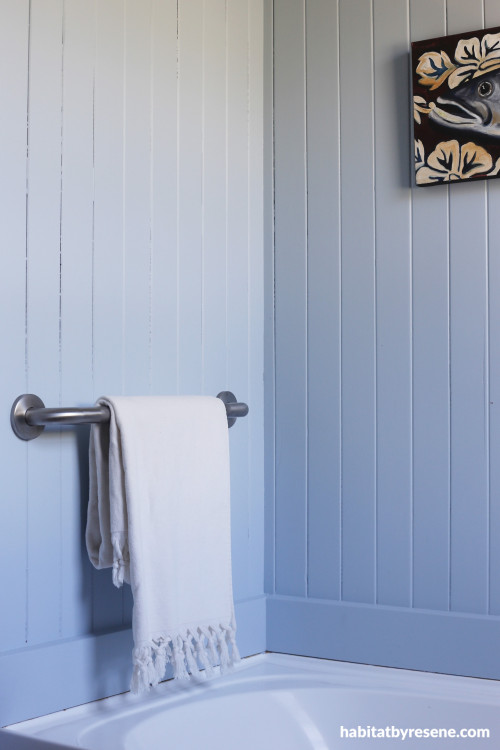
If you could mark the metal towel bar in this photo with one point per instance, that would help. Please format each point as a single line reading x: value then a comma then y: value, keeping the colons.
x: 29, y: 416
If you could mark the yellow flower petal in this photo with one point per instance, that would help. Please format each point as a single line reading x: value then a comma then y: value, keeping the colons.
x: 419, y: 154
x: 426, y: 176
x: 490, y: 45
x: 474, y: 160
x: 419, y: 105
x: 461, y: 74
x: 433, y: 68
x: 475, y: 58
x: 446, y: 157
x: 450, y: 162
x: 487, y: 66
x: 468, y: 52
x: 496, y: 170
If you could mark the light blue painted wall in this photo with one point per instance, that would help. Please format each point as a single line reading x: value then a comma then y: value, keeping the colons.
x: 131, y: 219
x: 384, y: 535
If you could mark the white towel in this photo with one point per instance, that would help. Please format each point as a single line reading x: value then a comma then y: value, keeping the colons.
x: 159, y: 516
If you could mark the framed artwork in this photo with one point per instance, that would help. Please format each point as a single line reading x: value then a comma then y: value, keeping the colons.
x: 456, y: 107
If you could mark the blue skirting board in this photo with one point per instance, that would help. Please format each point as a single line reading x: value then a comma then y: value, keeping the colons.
x: 39, y: 680
x: 47, y: 678
x: 447, y: 642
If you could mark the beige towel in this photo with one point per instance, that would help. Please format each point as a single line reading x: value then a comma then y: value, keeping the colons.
x: 159, y: 515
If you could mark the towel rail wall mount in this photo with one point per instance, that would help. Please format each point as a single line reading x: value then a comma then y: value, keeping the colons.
x: 29, y: 415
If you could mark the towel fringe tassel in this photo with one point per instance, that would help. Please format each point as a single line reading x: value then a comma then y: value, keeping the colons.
x: 195, y: 653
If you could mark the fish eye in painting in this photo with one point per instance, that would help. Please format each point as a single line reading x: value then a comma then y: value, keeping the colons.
x: 456, y: 107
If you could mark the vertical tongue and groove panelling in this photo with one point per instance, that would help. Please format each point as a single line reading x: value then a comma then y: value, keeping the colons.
x: 131, y: 263
x: 386, y: 353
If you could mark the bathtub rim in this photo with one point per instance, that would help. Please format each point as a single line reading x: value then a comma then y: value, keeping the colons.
x: 348, y: 675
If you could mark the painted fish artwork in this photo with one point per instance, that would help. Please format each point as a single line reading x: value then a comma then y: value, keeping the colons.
x: 456, y: 107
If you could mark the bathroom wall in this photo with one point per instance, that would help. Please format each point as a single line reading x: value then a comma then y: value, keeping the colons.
x: 383, y: 538
x: 132, y: 263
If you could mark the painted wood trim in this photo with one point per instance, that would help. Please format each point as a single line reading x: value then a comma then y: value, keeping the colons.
x: 269, y: 425
x: 324, y: 302
x: 77, y: 209
x: 358, y: 279
x: 394, y: 366
x: 290, y: 231
x: 43, y: 333
x: 14, y: 45
x: 446, y: 642
x: 108, y: 247
x: 431, y: 375
x: 69, y: 672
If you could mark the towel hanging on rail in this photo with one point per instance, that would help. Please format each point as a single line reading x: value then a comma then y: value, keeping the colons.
x: 159, y: 515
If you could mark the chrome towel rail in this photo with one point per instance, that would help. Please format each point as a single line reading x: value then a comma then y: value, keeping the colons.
x: 29, y: 415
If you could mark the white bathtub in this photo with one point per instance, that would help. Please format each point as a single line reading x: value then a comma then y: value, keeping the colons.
x: 278, y: 702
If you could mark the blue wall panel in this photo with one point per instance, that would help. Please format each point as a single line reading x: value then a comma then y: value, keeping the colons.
x: 358, y: 369
x: 132, y: 263
x: 44, y: 252
x: 431, y: 375
x: 14, y: 42
x: 393, y: 308
x: 469, y: 377
x: 290, y: 231
x: 492, y: 18
x: 396, y: 475
x: 323, y: 302
x: 77, y: 207
x: 108, y: 242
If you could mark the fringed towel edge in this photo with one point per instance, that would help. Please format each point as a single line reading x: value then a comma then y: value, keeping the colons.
x: 189, y: 653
